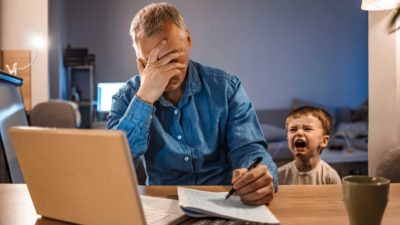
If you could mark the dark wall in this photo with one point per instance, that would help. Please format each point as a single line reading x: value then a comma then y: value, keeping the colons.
x: 281, y: 49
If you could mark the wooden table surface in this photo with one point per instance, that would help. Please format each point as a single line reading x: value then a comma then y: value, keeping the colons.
x: 293, y: 204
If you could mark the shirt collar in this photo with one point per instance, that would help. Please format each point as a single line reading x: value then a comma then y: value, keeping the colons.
x: 193, y: 79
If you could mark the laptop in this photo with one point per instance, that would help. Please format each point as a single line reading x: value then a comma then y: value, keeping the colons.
x: 86, y: 177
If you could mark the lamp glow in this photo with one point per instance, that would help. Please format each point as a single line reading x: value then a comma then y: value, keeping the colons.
x: 38, y: 42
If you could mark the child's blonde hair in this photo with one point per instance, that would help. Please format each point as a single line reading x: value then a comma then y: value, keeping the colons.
x: 323, y: 116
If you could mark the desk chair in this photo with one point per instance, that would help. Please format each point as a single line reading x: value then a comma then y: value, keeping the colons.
x: 55, y: 113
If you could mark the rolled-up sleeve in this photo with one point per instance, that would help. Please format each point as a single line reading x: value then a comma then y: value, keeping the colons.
x: 244, y: 136
x: 134, y: 117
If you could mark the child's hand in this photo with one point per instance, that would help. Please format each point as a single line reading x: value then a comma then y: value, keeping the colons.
x: 255, y: 187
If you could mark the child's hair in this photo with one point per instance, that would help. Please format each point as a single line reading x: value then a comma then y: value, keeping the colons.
x: 320, y: 114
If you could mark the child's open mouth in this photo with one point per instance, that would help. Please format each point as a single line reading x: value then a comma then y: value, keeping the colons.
x: 300, y: 143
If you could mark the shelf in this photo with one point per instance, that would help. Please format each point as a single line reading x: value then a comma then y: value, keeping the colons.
x: 80, y: 82
x: 86, y: 103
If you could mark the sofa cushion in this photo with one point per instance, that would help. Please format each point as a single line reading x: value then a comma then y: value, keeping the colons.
x: 297, y: 102
x: 275, y: 117
x: 273, y: 133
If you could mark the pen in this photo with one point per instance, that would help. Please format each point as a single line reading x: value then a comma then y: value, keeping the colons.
x: 252, y: 166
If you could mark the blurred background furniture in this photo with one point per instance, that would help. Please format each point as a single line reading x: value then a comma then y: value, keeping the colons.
x: 79, y: 85
x: 55, y: 113
x: 80, y: 89
x: 389, y: 167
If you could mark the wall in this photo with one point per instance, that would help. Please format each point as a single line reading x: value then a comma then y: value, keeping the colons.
x: 315, y: 50
x: 19, y: 21
x: 103, y: 27
x: 0, y: 28
x: 384, y: 88
x: 57, y: 34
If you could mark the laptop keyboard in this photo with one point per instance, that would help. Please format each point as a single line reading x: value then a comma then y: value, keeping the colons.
x: 211, y: 221
x: 154, y: 215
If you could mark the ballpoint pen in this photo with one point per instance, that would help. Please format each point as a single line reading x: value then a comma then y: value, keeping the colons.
x: 252, y: 166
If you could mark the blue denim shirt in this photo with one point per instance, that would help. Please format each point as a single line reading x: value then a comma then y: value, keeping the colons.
x: 212, y: 130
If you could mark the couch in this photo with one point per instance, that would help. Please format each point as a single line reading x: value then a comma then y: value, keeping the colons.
x: 346, y: 121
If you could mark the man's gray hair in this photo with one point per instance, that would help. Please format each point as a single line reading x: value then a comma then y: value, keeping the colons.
x: 150, y: 19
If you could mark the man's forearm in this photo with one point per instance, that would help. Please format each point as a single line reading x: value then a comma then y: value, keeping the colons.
x: 136, y: 124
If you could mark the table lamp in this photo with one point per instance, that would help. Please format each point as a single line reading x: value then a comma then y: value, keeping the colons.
x: 37, y: 42
x: 378, y: 5
x: 372, y: 5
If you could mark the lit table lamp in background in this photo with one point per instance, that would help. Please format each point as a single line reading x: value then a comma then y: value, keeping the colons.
x: 37, y: 43
x: 378, y: 5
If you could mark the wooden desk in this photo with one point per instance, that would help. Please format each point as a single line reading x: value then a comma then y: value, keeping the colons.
x: 293, y: 204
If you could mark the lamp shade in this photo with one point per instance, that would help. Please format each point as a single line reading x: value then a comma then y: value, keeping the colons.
x: 379, y: 4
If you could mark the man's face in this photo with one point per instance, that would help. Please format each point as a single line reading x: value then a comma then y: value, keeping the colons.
x: 176, y: 40
x: 305, y: 136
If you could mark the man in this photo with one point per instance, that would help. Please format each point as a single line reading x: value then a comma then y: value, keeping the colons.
x: 193, y: 125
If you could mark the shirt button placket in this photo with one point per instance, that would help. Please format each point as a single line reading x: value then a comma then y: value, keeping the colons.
x: 179, y: 137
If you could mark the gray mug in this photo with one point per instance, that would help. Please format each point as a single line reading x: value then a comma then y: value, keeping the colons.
x: 365, y: 198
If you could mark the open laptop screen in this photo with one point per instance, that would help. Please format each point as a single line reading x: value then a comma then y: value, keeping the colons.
x: 12, y: 113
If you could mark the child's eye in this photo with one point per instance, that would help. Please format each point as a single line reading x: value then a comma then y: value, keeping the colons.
x: 308, y: 129
x: 292, y: 130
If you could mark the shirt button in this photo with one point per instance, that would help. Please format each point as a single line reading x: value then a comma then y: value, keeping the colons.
x: 186, y: 158
x: 175, y: 111
x: 179, y: 137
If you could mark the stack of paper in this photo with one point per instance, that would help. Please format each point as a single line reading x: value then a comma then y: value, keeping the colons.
x: 197, y: 203
x: 161, y: 211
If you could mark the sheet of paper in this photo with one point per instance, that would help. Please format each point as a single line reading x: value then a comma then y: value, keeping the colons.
x: 203, y: 203
x: 161, y: 211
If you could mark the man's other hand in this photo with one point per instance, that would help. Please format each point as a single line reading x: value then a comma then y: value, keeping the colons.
x: 255, y: 187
